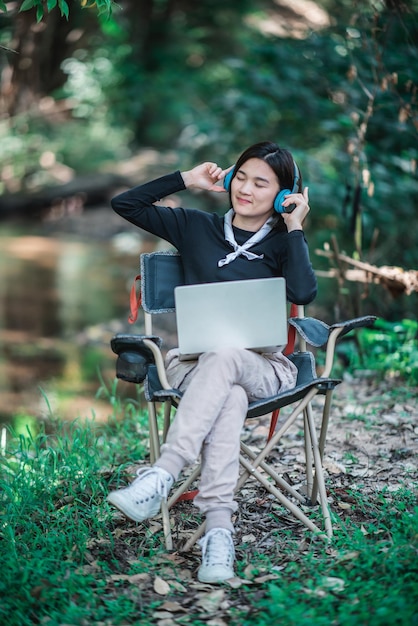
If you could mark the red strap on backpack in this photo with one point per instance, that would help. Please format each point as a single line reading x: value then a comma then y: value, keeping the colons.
x: 135, y: 301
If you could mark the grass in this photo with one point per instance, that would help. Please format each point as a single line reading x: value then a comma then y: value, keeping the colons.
x: 368, y: 576
x: 67, y: 559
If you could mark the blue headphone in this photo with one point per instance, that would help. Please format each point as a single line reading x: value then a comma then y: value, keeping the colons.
x: 278, y: 207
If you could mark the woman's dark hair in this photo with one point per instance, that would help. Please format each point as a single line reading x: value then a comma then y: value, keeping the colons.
x: 280, y: 161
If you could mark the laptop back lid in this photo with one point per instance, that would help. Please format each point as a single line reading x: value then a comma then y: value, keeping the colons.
x: 248, y: 314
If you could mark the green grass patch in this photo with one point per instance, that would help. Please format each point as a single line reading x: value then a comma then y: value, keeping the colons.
x: 52, y: 491
x: 368, y: 575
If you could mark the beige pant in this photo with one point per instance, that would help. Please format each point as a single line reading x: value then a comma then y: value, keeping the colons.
x: 211, y: 415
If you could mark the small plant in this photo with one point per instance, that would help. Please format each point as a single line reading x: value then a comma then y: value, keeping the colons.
x: 389, y: 348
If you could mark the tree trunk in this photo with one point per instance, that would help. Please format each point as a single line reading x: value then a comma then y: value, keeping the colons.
x: 34, y: 69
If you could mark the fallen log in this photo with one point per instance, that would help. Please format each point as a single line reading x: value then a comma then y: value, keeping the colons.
x: 90, y: 191
x: 395, y: 279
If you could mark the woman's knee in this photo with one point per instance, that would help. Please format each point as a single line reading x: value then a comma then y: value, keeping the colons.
x: 238, y: 398
x: 227, y: 428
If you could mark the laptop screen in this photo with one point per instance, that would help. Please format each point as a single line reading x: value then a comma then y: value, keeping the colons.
x: 248, y: 314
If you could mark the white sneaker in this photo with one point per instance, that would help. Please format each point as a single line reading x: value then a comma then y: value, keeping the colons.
x: 142, y: 498
x: 218, y: 556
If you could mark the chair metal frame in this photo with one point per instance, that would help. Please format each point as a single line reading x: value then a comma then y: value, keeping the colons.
x: 140, y: 359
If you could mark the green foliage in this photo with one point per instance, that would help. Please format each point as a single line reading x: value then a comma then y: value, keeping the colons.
x: 389, y: 348
x: 341, y: 96
x: 26, y: 142
x: 43, y: 7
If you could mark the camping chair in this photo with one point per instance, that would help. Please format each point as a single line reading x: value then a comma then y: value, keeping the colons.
x: 140, y: 361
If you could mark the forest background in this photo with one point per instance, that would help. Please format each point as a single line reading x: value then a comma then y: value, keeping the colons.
x: 86, y: 86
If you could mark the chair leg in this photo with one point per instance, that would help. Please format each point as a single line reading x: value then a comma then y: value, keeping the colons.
x: 167, y: 418
x: 319, y: 474
x: 154, y: 438
x: 154, y: 454
x: 166, y: 526
x: 305, y: 407
x: 277, y: 479
x: 308, y: 454
x: 277, y: 436
x: 322, y: 435
x: 297, y: 512
x: 194, y: 538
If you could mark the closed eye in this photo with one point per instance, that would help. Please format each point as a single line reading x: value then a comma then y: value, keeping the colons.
x: 242, y: 178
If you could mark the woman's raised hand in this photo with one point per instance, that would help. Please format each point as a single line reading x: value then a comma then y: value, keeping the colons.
x: 294, y: 220
x: 205, y: 176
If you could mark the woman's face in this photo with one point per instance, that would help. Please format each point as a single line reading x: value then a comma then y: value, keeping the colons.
x: 253, y: 190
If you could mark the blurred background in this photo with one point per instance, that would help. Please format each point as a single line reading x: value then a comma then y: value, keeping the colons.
x: 99, y: 96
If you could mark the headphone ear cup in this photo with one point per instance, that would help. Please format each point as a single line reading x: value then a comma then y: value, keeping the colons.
x: 228, y: 179
x: 278, y: 207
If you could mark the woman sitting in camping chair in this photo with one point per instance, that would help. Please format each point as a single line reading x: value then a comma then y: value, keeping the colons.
x: 261, y: 236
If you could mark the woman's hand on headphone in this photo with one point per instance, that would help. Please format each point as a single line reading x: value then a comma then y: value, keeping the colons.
x: 205, y: 176
x: 294, y: 220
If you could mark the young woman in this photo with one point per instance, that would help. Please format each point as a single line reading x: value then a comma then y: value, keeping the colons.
x: 253, y: 240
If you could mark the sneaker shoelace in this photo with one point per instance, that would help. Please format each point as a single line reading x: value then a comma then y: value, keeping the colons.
x: 149, y: 488
x: 217, y: 547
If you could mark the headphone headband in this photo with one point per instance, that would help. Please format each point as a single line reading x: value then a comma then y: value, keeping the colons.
x: 296, y: 177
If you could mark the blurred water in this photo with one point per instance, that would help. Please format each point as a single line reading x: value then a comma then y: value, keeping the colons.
x: 61, y: 300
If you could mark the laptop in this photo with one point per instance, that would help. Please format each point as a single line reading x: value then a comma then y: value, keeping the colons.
x: 248, y: 314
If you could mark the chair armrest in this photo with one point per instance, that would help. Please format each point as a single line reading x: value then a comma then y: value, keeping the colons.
x: 357, y: 322
x: 313, y: 331
x: 316, y: 332
x: 121, y: 342
x: 134, y: 355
